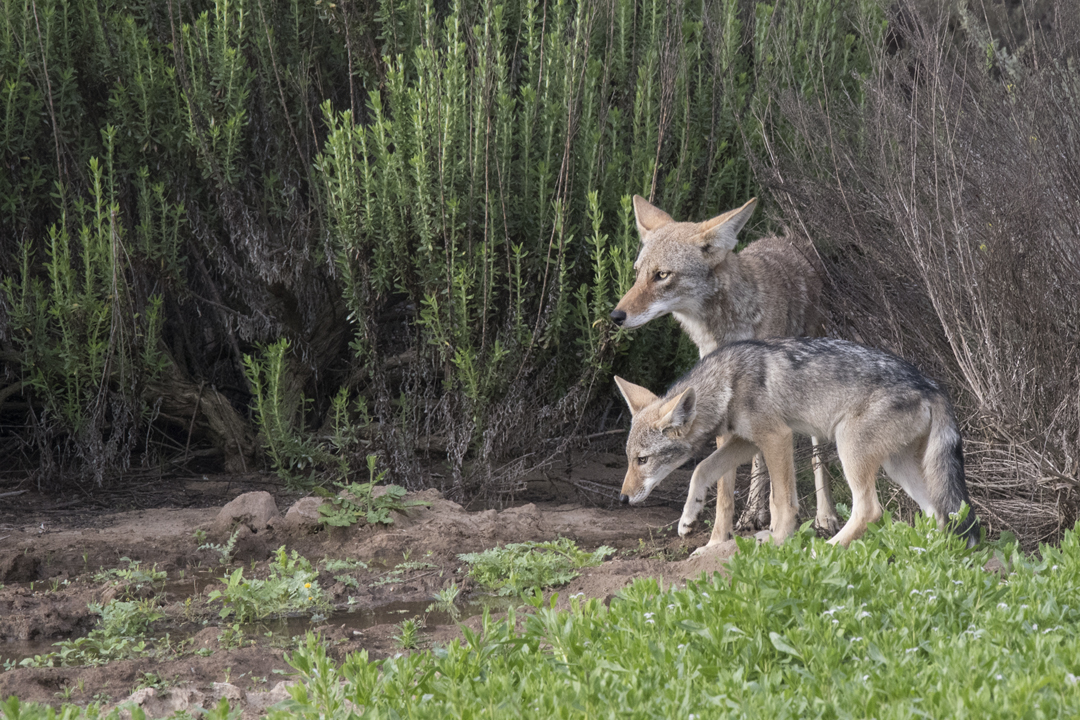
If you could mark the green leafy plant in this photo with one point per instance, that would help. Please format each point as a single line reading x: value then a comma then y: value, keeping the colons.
x: 521, y: 568
x: 132, y: 578
x: 225, y: 552
x: 292, y: 586
x: 360, y: 501
x: 408, y: 637
x: 118, y: 636
x: 445, y: 600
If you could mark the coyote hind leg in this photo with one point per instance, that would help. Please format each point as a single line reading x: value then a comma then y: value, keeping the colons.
x: 755, y: 514
x: 826, y: 517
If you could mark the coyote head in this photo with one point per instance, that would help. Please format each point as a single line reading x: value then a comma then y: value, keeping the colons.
x: 677, y: 262
x: 658, y: 441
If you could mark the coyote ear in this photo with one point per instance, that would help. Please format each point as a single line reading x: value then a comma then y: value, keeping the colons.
x: 648, y: 216
x: 721, y: 233
x: 679, y: 411
x: 636, y: 396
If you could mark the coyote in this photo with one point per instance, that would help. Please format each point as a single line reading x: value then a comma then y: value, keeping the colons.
x: 768, y: 290
x: 879, y: 408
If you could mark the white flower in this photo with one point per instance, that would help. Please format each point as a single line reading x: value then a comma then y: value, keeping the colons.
x: 917, y: 549
x: 863, y: 614
x: 999, y: 677
x: 649, y: 614
x: 850, y: 587
x: 1002, y: 606
x: 1070, y: 678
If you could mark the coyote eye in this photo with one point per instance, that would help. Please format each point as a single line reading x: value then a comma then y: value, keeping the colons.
x: 663, y: 275
x: 642, y: 459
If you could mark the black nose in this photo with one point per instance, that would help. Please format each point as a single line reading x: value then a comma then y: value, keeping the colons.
x: 624, y: 499
x: 618, y: 317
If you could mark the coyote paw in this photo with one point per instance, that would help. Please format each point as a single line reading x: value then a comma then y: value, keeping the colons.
x: 751, y: 521
x: 830, y: 523
x: 705, y: 549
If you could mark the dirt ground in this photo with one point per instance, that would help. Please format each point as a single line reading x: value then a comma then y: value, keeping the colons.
x: 54, y: 551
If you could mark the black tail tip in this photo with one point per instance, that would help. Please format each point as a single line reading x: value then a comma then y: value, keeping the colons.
x: 624, y: 499
x: 618, y: 317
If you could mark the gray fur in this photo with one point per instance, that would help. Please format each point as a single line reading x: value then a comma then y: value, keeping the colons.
x: 880, y: 410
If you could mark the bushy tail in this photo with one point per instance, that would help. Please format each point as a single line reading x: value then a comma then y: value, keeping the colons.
x: 943, y: 466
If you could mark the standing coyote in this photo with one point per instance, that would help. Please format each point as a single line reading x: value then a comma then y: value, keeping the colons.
x: 767, y: 290
x: 880, y: 410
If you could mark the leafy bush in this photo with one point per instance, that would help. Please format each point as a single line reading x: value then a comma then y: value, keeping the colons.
x: 428, y: 203
x: 523, y: 568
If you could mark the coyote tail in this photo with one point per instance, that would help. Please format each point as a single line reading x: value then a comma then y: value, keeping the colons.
x: 943, y: 466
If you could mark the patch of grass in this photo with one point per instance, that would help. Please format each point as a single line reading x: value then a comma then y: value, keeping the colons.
x: 291, y: 587
x: 905, y: 623
x: 522, y: 568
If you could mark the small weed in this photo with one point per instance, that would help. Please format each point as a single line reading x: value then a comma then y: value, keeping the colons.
x: 225, y: 551
x: 520, y: 568
x: 231, y: 637
x: 291, y: 587
x: 446, y: 601
x: 343, y: 565
x: 132, y: 578
x: 151, y: 680
x: 357, y: 501
x: 408, y: 637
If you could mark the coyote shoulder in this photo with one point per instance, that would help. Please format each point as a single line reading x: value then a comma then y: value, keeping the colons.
x: 880, y: 410
x: 770, y: 289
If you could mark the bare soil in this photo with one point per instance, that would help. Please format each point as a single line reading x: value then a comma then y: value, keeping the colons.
x: 53, y: 551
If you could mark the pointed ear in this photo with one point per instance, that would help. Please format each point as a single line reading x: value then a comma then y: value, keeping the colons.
x: 648, y: 216
x: 636, y: 396
x: 721, y: 233
x: 679, y: 411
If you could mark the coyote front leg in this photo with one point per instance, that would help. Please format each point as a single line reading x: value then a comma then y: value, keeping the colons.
x: 720, y: 465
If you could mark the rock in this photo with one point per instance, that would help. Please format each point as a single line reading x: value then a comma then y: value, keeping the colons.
x: 259, y: 702
x: 256, y: 511
x: 303, y: 516
x: 163, y: 703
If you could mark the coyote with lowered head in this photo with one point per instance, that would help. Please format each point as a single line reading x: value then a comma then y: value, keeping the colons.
x: 880, y: 410
x: 769, y: 289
